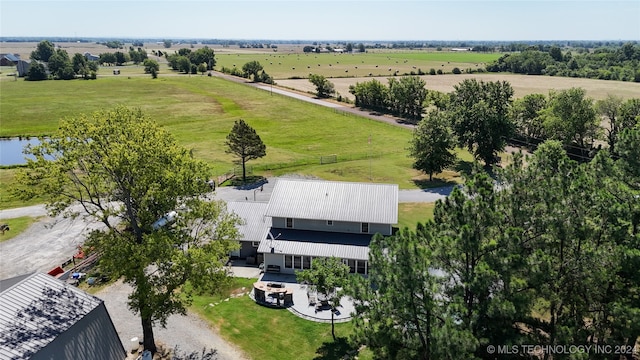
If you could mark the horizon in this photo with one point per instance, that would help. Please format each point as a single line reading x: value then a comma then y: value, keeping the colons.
x: 313, y: 20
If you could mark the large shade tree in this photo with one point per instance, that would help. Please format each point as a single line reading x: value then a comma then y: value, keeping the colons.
x: 119, y: 168
x: 432, y: 144
x: 245, y: 143
x: 481, y: 117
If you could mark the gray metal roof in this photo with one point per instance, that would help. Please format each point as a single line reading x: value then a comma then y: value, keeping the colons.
x: 333, y: 200
x: 314, y: 249
x: 255, y: 224
x: 34, y: 311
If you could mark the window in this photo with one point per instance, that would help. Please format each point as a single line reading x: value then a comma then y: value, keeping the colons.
x: 297, y: 262
x: 289, y: 223
x: 288, y: 261
x: 361, y: 267
x: 329, y: 222
x: 352, y: 265
x: 306, y: 262
x: 364, y: 228
x: 255, y: 243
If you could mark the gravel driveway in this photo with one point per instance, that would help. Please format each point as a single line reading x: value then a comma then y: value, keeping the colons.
x: 190, y: 332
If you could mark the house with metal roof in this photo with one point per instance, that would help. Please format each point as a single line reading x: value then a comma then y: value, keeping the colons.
x: 42, y: 317
x: 311, y: 218
x: 253, y: 229
x: 9, y: 59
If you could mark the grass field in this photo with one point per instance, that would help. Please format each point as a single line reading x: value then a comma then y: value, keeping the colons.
x: 16, y: 226
x: 200, y: 111
x: 522, y: 84
x: 272, y: 334
x: 292, y: 65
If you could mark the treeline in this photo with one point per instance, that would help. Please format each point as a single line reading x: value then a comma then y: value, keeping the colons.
x: 189, y: 61
x: 403, y: 96
x: 119, y: 58
x: 48, y: 62
x: 252, y: 69
x: 607, y: 63
x: 483, y: 117
x: 546, y: 254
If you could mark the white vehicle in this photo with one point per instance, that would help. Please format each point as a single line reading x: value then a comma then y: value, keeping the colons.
x: 167, y: 218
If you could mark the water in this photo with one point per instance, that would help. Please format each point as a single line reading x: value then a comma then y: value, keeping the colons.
x: 11, y: 150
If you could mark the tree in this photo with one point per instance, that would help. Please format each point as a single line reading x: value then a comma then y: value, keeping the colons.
x: 203, y: 55
x: 528, y: 116
x: 252, y: 68
x: 202, y: 68
x: 245, y: 143
x: 43, y: 51
x: 399, y: 312
x: 361, y: 48
x: 327, y: 276
x: 121, y: 58
x: 58, y: 61
x: 407, y: 96
x: 432, y: 144
x: 571, y: 118
x: 151, y: 66
x: 184, y: 64
x: 308, y: 49
x: 119, y: 168
x: 349, y: 47
x: 610, y: 107
x: 107, y: 58
x: 167, y: 43
x: 36, y: 72
x: 371, y: 95
x: 324, y: 87
x: 481, y: 121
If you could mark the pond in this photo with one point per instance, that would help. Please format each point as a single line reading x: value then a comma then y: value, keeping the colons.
x: 11, y: 150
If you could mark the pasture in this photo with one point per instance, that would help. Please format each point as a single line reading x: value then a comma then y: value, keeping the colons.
x: 522, y: 84
x: 337, y: 65
x: 199, y: 111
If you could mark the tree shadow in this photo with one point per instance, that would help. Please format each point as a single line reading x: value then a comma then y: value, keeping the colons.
x: 435, y: 183
x: 336, y: 350
x: 464, y: 167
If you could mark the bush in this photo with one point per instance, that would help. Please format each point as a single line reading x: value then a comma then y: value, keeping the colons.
x: 432, y: 71
x: 440, y: 72
x: 456, y: 71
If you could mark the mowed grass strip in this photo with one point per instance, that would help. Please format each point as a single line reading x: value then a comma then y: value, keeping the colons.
x: 265, y: 333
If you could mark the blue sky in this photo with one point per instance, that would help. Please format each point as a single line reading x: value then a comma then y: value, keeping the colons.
x: 325, y: 20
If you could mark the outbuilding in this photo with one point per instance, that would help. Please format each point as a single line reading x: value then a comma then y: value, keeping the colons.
x: 42, y: 317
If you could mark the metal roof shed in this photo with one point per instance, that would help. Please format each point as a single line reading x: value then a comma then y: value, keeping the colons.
x: 334, y: 200
x: 42, y: 317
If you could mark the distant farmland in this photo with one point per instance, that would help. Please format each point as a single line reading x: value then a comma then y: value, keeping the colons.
x: 334, y: 65
x: 522, y: 84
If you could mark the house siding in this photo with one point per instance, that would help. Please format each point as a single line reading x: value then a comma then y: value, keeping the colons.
x: 338, y: 226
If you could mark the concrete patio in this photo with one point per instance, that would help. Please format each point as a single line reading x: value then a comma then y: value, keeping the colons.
x: 301, y: 305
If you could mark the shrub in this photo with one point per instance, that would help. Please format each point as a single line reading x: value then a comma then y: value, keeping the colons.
x: 456, y: 71
x: 432, y: 71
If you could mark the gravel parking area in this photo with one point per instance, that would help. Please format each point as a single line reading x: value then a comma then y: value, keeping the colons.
x: 190, y: 332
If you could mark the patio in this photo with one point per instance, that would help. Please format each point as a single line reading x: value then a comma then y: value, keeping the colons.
x: 301, y: 305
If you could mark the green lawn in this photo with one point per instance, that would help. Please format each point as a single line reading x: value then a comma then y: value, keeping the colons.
x: 8, y: 199
x: 409, y: 214
x: 16, y: 226
x: 291, y: 65
x: 265, y: 333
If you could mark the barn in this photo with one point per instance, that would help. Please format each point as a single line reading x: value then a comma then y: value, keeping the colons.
x: 42, y: 317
